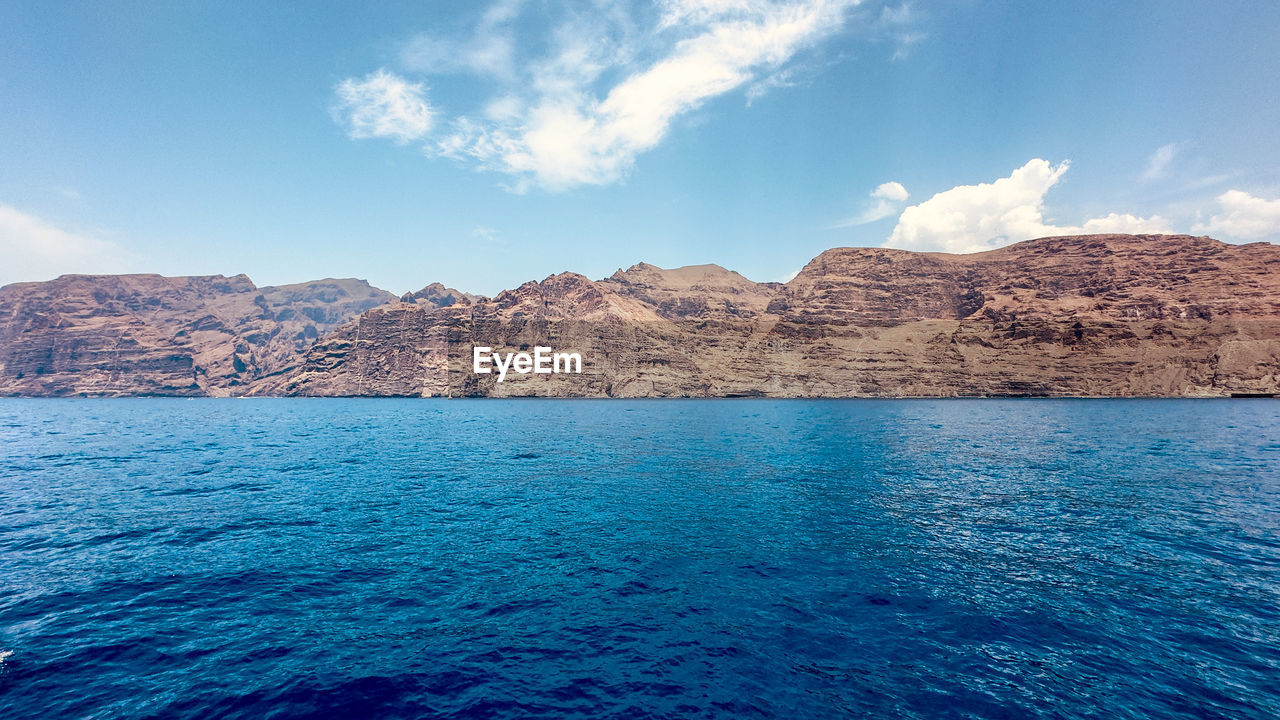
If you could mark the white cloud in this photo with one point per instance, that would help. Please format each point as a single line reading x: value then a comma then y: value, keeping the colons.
x: 675, y: 12
x: 972, y: 218
x: 760, y: 88
x: 1120, y: 224
x: 1158, y: 163
x: 899, y: 15
x: 886, y: 199
x: 34, y: 249
x: 892, y: 190
x: 969, y: 218
x: 906, y: 41
x: 897, y: 23
x: 570, y: 135
x: 1243, y: 217
x: 489, y: 51
x: 383, y: 105
x: 599, y: 83
x: 604, y: 84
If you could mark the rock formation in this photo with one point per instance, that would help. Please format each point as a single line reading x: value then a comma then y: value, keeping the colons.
x: 1103, y: 315
x: 1100, y: 315
x: 116, y: 335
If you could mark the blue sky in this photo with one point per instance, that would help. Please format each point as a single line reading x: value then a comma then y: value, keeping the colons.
x: 486, y: 144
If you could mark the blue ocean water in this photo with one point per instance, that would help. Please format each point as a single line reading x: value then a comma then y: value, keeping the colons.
x: 564, y: 559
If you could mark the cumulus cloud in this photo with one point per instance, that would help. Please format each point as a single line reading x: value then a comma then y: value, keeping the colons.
x: 969, y: 218
x: 1158, y: 163
x: 383, y: 105
x: 972, y: 218
x: 885, y: 201
x: 34, y: 249
x: 602, y: 84
x: 892, y: 190
x: 1121, y: 223
x: 1243, y: 216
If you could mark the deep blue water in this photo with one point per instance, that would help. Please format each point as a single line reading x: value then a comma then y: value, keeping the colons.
x: 791, y: 559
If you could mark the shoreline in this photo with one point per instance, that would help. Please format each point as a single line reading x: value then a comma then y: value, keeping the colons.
x: 812, y: 398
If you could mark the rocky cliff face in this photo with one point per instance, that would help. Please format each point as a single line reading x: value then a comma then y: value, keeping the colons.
x: 437, y: 295
x: 1099, y: 315
x: 153, y: 335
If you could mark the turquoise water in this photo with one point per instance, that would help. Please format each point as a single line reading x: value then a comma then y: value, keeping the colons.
x: 548, y: 558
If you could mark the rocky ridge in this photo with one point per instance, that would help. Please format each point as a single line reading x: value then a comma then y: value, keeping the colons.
x: 121, y: 335
x: 1101, y: 315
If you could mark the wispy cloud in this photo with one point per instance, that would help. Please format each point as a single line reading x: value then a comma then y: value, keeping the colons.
x: 1242, y: 216
x: 1158, y: 163
x: 600, y: 84
x: 68, y: 192
x: 484, y: 234
x: 1208, y: 181
x: 760, y: 88
x: 899, y: 24
x: 35, y: 249
x: 383, y: 105
x: 906, y: 41
x: 488, y: 51
x: 569, y: 136
x: 885, y: 201
x: 972, y: 218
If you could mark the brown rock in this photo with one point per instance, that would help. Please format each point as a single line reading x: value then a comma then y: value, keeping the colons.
x: 150, y: 335
x: 438, y: 295
x: 1104, y: 315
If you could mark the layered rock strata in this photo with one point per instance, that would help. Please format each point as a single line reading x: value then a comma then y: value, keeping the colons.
x: 1101, y: 315
x: 123, y: 335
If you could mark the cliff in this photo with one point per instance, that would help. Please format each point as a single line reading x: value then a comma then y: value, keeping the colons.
x: 121, y: 335
x: 1103, y: 315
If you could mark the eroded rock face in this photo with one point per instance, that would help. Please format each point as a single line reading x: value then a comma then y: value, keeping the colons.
x: 116, y: 335
x: 1101, y: 315
x: 694, y: 291
x: 437, y: 295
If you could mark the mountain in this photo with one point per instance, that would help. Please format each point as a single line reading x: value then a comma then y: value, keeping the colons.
x: 1098, y: 315
x: 438, y: 295
x: 116, y: 335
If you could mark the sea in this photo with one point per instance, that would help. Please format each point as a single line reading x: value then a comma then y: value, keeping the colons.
x: 395, y: 558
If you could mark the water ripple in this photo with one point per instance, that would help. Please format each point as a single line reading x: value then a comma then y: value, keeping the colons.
x: 561, y: 559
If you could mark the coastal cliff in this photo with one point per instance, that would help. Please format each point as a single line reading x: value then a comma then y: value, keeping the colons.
x: 1099, y: 315
x: 1102, y: 315
x: 123, y: 335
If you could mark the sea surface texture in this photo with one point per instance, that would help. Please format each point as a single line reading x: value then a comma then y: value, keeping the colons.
x: 581, y: 559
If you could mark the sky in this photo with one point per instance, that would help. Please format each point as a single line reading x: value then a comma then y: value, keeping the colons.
x: 486, y: 144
